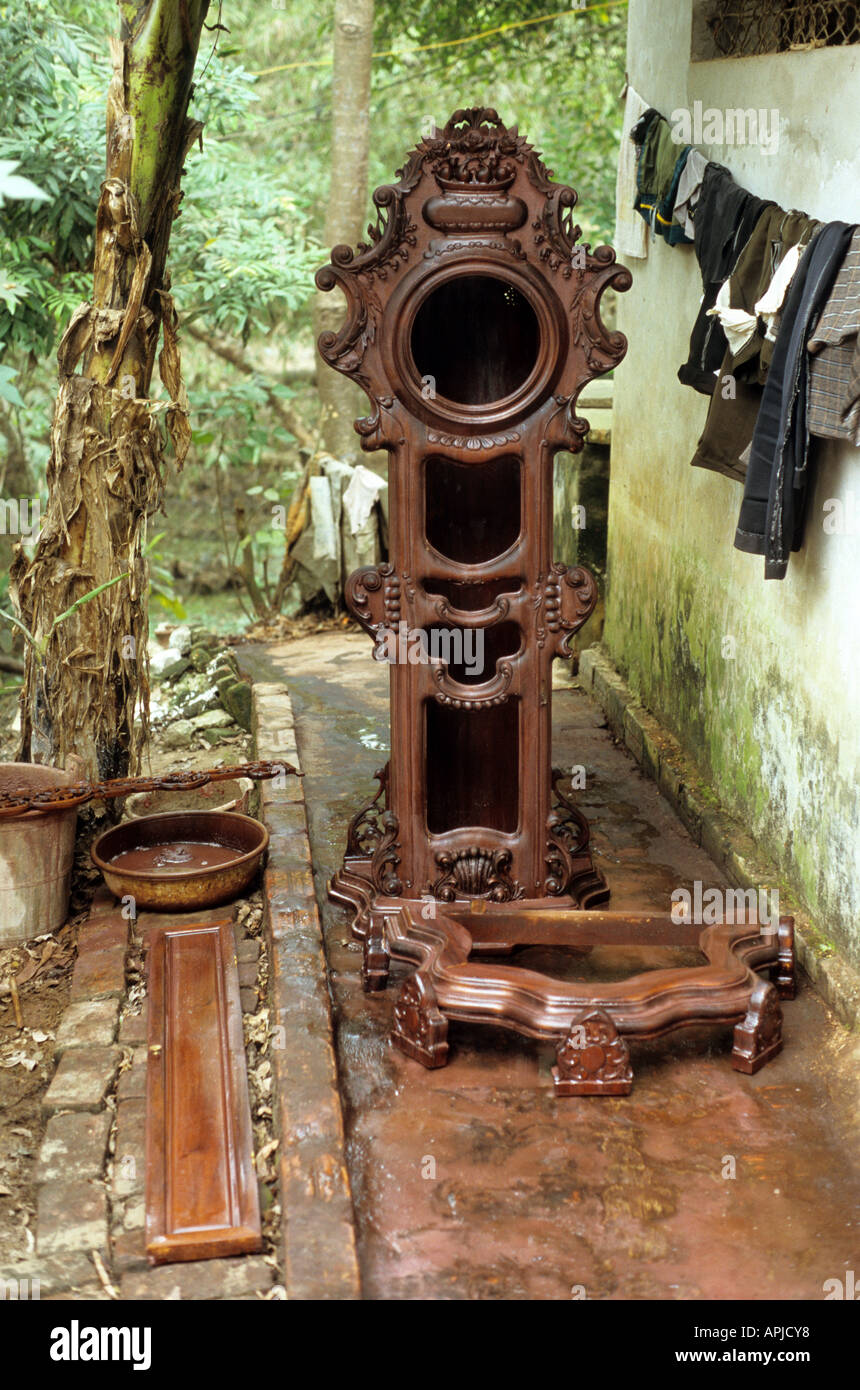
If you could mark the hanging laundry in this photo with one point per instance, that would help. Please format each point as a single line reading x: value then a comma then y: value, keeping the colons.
x: 360, y: 496
x: 739, y: 326
x: 658, y: 173
x: 773, y: 509
x: 735, y: 403
x: 687, y: 194
x: 631, y: 234
x: 834, y: 366
x: 751, y: 281
x: 724, y: 219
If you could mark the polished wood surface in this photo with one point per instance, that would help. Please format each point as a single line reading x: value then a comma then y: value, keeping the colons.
x: 472, y: 325
x: 201, y: 1187
x: 591, y: 1021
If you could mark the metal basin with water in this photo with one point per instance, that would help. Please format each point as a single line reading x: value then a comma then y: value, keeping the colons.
x: 181, y: 860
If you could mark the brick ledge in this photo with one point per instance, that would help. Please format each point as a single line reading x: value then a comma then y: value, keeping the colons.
x: 318, y: 1230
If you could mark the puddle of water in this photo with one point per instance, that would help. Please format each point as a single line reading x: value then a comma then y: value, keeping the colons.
x: 369, y: 738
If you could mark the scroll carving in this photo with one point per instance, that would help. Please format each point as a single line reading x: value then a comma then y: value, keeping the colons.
x: 568, y: 838
x: 372, y: 596
x: 365, y: 830
x: 569, y: 598
x: 383, y: 865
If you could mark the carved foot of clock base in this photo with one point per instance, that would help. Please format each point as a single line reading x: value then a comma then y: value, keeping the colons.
x: 783, y: 973
x: 420, y: 1030
x: 592, y: 1060
x: 759, y: 1037
x: 376, y: 962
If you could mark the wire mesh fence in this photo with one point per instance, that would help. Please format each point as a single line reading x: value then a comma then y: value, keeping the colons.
x: 745, y: 27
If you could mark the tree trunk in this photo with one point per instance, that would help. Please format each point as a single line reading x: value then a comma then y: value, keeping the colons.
x: 88, y: 674
x: 347, y: 204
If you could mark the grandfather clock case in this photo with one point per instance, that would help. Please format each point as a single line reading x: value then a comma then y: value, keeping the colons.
x: 472, y: 325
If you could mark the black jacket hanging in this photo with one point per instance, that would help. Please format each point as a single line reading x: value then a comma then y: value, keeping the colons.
x: 723, y: 221
x: 775, y: 491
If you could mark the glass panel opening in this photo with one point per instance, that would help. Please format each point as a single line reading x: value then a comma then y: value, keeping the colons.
x: 472, y: 767
x: 477, y: 338
x: 472, y: 509
x: 471, y: 653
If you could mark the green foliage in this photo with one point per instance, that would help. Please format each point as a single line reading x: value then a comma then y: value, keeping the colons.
x: 52, y: 105
x: 240, y: 252
x: 8, y: 391
x: 250, y: 231
x: 161, y: 587
x: 558, y: 80
x: 14, y: 185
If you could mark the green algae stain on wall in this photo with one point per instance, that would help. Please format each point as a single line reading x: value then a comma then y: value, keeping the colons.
x: 707, y: 669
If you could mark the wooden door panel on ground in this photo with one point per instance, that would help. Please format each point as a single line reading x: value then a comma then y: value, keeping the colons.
x: 201, y: 1188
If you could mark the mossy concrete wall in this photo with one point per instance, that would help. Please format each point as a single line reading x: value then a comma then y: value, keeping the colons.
x: 758, y: 680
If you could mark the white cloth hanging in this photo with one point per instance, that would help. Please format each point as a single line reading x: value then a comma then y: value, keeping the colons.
x: 631, y: 230
x: 358, y: 499
x: 738, y: 325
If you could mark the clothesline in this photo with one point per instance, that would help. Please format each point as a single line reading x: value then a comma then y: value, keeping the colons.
x: 775, y: 342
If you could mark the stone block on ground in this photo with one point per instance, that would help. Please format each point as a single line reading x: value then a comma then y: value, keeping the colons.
x: 128, y: 1250
x: 178, y: 734
x: 99, y: 971
x: 82, y: 1079
x: 88, y: 1022
x: 49, y: 1275
x: 132, y: 1081
x: 71, y: 1216
x: 237, y: 701
x: 74, y: 1147
x: 200, y: 1279
x: 166, y: 664
x: 132, y: 1029
x: 210, y: 719
x: 129, y: 1160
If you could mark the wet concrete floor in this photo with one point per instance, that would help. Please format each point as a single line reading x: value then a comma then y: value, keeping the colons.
x: 474, y: 1181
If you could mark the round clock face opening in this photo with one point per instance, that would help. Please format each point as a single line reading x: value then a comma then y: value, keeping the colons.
x: 476, y: 338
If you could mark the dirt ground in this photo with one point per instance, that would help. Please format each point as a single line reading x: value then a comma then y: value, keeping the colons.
x: 475, y: 1181
x: 26, y: 1067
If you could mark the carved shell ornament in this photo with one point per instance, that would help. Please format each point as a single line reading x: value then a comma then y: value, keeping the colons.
x: 476, y: 873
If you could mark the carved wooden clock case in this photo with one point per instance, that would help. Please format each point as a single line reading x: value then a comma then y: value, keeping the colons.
x: 472, y: 325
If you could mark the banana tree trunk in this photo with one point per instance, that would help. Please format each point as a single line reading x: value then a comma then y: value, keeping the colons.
x: 87, y: 675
